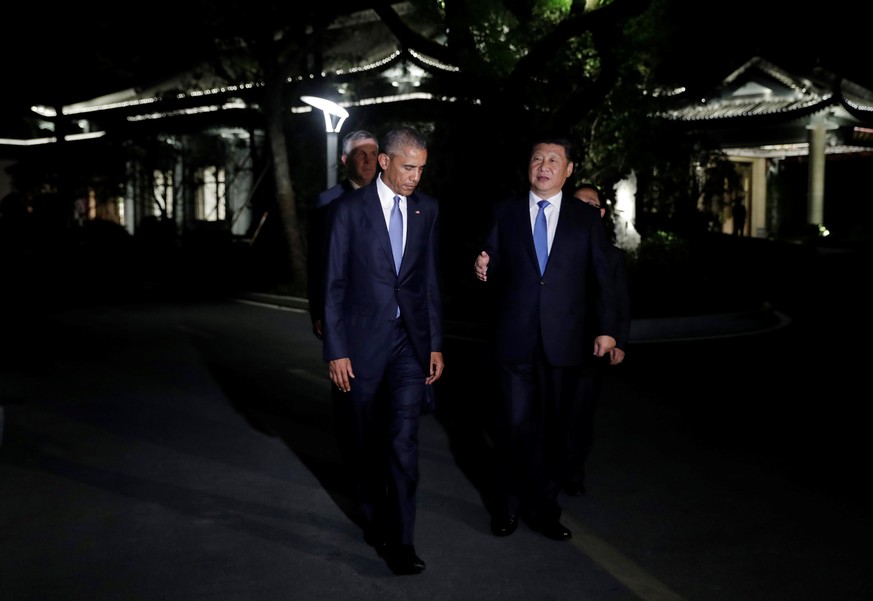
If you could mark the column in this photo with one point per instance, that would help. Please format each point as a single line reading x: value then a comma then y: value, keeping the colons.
x: 818, y: 128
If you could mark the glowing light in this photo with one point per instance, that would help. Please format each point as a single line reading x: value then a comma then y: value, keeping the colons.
x: 433, y: 62
x: 626, y: 235
x: 330, y: 109
x: 160, y: 115
x: 51, y: 140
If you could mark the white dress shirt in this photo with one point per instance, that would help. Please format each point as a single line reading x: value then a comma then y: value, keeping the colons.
x: 552, y: 212
x: 386, y: 198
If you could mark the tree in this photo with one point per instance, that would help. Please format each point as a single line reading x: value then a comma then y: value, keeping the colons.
x: 261, y: 41
x: 267, y: 41
x: 585, y: 69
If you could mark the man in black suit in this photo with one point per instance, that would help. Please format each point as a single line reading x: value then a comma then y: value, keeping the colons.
x: 359, y: 155
x: 383, y: 332
x: 542, y: 331
x: 580, y: 416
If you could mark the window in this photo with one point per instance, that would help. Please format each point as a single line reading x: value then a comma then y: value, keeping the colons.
x: 210, y: 201
x: 163, y: 193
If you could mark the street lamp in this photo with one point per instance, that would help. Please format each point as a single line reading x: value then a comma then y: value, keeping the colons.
x: 334, y: 117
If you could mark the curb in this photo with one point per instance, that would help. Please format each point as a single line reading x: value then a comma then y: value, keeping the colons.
x: 703, y: 327
x: 642, y: 331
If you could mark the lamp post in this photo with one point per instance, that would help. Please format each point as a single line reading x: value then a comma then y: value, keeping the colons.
x: 334, y: 117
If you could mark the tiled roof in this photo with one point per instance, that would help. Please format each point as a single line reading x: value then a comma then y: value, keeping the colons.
x: 721, y: 109
x: 760, y: 89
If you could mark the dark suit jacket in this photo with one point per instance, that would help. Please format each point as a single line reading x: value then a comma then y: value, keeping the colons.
x: 362, y: 290
x: 315, y: 247
x: 577, y: 275
x: 332, y: 193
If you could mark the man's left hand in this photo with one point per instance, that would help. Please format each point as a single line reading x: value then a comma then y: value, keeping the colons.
x: 603, y: 344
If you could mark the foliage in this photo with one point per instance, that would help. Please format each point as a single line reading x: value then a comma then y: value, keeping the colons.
x: 662, y: 248
x: 586, y: 70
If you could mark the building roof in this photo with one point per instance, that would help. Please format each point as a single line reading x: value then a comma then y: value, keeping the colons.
x: 761, y: 103
x: 759, y: 88
x: 397, y: 75
x: 359, y: 62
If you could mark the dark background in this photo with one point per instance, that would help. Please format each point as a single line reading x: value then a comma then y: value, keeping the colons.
x: 77, y: 52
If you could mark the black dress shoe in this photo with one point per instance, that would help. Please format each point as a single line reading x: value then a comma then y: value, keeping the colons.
x: 402, y: 560
x: 552, y: 529
x: 504, y: 525
x: 575, y: 489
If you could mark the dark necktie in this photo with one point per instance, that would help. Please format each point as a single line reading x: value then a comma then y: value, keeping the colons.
x: 541, y: 236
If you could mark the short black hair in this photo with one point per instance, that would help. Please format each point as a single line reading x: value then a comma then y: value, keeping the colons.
x: 590, y: 186
x: 400, y: 137
x: 569, y: 149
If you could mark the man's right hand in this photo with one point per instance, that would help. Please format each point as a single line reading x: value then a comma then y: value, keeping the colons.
x: 316, y: 329
x: 481, y: 266
x: 341, y: 373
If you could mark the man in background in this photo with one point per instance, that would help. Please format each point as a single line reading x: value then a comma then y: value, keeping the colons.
x: 359, y: 155
x: 580, y: 416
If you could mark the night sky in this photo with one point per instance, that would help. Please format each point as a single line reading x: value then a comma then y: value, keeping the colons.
x: 712, y: 39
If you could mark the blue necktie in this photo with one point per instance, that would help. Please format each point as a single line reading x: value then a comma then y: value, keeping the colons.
x: 541, y: 236
x: 395, y: 232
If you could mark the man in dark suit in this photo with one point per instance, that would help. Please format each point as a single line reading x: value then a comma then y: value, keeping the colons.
x: 579, y: 418
x: 383, y: 331
x: 542, y: 331
x: 359, y: 156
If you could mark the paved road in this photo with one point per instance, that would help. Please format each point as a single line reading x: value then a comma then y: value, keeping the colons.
x: 182, y: 449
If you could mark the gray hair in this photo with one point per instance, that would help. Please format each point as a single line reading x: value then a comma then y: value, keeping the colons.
x: 356, y: 136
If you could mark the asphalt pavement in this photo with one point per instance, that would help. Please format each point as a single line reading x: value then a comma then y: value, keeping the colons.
x: 179, y: 448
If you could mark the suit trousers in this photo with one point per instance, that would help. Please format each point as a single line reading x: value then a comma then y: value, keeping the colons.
x: 529, y: 435
x: 578, y: 418
x: 385, y: 415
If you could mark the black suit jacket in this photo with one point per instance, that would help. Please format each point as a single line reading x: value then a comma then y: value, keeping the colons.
x: 553, y: 307
x: 315, y: 247
x: 362, y: 290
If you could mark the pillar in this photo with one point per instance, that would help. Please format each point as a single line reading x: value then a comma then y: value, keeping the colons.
x: 758, y: 199
x: 818, y: 127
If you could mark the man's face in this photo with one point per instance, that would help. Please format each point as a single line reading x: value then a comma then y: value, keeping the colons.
x: 402, y: 172
x: 361, y: 162
x: 548, y: 169
x: 589, y: 196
